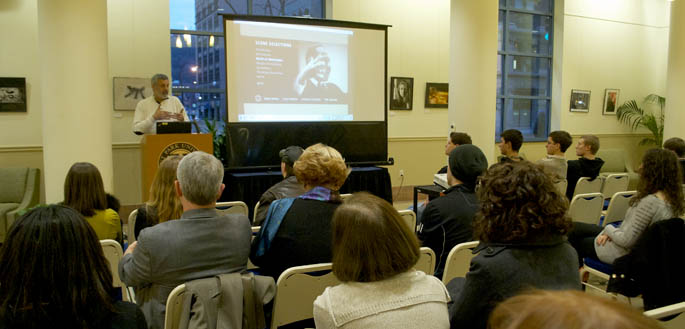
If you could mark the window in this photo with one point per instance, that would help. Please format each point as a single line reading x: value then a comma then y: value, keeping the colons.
x: 524, y: 67
x: 198, y: 72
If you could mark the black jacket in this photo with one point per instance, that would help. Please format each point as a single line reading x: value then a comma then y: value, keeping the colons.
x: 287, y: 188
x: 502, y: 270
x: 446, y: 222
x: 581, y: 168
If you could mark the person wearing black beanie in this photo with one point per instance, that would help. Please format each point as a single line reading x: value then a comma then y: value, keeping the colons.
x: 446, y: 221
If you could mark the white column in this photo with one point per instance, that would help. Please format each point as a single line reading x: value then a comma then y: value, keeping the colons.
x: 473, y: 71
x: 76, y: 90
x: 675, y: 81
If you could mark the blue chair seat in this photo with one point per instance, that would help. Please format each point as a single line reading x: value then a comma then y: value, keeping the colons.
x: 598, y: 265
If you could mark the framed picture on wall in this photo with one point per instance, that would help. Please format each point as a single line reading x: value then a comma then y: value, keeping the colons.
x: 12, y: 94
x: 610, y: 101
x: 129, y: 91
x: 437, y: 95
x: 580, y: 100
x: 401, y: 93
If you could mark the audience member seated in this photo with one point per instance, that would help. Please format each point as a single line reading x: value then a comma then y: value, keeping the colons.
x: 555, y: 162
x: 521, y: 225
x: 455, y: 139
x: 201, y: 244
x: 677, y: 145
x: 659, y: 196
x: 55, y: 275
x: 374, y: 253
x: 162, y: 204
x: 85, y: 192
x: 566, y: 310
x: 289, y: 187
x: 588, y: 165
x: 511, y: 141
x: 447, y: 220
x: 297, y: 231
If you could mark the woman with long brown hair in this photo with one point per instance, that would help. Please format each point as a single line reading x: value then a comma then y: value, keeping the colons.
x: 85, y: 192
x: 163, y: 204
x: 659, y: 196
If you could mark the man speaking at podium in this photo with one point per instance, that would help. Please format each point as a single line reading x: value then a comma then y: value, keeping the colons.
x: 158, y: 107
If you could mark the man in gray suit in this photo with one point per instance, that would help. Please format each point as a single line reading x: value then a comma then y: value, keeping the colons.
x: 201, y: 244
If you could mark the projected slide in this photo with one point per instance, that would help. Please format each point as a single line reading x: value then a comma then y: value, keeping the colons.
x: 285, y: 72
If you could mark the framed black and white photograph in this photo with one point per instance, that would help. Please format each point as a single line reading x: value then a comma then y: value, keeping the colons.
x: 129, y: 91
x: 401, y: 93
x: 437, y: 95
x: 12, y: 94
x: 580, y: 100
x: 610, y: 101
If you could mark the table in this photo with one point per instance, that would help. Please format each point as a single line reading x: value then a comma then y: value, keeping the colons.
x: 249, y: 186
x: 433, y: 191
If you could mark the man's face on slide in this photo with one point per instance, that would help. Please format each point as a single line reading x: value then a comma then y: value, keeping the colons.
x: 322, y: 61
x: 161, y: 89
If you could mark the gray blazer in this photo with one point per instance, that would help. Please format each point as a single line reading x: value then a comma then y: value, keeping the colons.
x: 201, y: 244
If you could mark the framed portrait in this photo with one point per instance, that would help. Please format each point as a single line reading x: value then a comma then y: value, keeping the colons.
x: 12, y: 94
x: 401, y: 93
x: 436, y: 95
x: 610, y: 101
x: 129, y: 91
x: 580, y: 100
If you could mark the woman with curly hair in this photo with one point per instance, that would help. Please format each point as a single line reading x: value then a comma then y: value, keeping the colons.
x: 163, y: 204
x: 55, y: 275
x: 297, y: 231
x: 522, y: 226
x: 659, y: 196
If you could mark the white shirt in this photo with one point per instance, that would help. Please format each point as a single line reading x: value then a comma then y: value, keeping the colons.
x: 143, y: 120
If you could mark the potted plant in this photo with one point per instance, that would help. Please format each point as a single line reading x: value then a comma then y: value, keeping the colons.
x: 635, y: 116
x: 218, y: 131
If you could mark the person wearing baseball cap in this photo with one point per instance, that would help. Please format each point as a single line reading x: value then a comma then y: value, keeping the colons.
x: 287, y: 188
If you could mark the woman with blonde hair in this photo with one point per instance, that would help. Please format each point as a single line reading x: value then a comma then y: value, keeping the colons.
x: 163, y: 204
x: 374, y: 254
x: 85, y: 192
x: 297, y: 231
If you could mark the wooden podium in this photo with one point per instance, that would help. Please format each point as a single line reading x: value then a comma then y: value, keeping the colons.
x: 155, y: 148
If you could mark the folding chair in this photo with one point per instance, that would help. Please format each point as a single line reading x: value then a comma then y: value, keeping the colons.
x: 409, y: 217
x: 174, y: 307
x: 618, y: 206
x: 675, y: 323
x: 561, y: 186
x: 586, y: 208
x: 254, y: 214
x: 114, y: 254
x: 233, y: 207
x: 296, y: 290
x: 458, y: 261
x: 345, y: 196
x: 426, y: 261
x: 614, y: 183
x: 131, y: 227
x: 585, y: 185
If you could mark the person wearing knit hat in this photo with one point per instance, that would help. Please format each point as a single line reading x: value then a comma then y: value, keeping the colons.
x: 287, y: 188
x: 446, y: 221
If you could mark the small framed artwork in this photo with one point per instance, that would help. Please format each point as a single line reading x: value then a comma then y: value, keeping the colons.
x: 580, y: 100
x: 437, y: 95
x: 12, y: 94
x: 610, y: 101
x: 401, y: 93
x: 129, y: 91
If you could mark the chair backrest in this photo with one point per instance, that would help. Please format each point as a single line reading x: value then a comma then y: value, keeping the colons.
x: 296, y: 290
x: 254, y: 214
x: 676, y: 323
x: 618, y: 206
x: 585, y: 185
x: 409, y: 217
x: 174, y: 307
x: 255, y: 229
x: 131, y: 226
x: 561, y: 186
x: 426, y: 261
x: 345, y: 196
x: 586, y: 208
x: 458, y: 261
x: 233, y: 207
x: 13, y: 182
x: 114, y: 254
x: 614, y: 183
